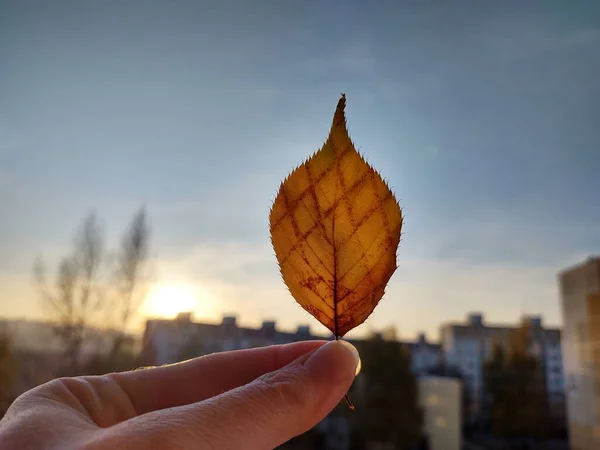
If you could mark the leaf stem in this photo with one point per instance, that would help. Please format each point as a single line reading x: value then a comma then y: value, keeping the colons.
x: 349, y: 402
x: 346, y: 396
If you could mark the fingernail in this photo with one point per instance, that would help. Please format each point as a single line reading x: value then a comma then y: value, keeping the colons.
x: 354, y: 351
x: 336, y: 361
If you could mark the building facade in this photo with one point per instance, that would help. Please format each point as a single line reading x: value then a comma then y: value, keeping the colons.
x: 424, y: 355
x: 440, y: 399
x: 170, y: 340
x: 466, y: 346
x: 580, y: 300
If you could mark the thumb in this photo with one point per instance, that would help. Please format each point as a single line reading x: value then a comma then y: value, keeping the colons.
x: 266, y: 412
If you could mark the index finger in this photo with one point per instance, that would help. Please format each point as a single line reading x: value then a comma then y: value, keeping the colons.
x: 204, y: 377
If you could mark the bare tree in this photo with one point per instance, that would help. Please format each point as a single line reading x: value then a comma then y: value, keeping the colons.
x: 130, y: 279
x: 78, y: 299
x: 83, y: 300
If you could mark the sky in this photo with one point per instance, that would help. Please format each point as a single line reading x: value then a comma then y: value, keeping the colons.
x: 482, y: 116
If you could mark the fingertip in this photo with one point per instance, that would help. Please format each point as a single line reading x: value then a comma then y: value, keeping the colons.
x: 355, y: 354
x: 337, y: 362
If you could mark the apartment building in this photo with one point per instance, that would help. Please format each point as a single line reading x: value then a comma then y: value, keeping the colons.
x: 170, y: 340
x: 425, y: 355
x: 468, y: 345
x: 580, y: 300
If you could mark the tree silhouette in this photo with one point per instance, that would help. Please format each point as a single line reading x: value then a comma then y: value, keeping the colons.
x: 130, y: 280
x: 78, y: 299
x: 84, y: 301
x: 389, y: 401
x: 515, y: 389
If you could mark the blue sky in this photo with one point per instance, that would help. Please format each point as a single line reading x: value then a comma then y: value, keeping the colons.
x: 482, y: 116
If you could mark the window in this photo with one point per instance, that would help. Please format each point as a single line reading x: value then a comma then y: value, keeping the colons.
x: 432, y: 400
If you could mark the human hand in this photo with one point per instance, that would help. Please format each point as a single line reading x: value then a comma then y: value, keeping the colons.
x: 248, y: 399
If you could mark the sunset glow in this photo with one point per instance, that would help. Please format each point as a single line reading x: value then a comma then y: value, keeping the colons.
x: 167, y: 300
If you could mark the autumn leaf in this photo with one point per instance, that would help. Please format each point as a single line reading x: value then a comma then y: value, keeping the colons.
x: 335, y: 227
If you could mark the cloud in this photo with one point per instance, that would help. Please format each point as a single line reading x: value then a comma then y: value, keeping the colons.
x: 586, y: 36
x: 235, y: 260
x: 241, y: 277
x: 510, y: 237
x: 425, y: 293
x: 517, y: 41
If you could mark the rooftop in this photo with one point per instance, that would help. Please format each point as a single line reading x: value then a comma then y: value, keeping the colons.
x: 475, y: 321
x: 592, y: 260
x: 229, y: 325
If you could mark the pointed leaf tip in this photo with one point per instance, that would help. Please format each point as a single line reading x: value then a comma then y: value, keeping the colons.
x: 335, y: 228
x: 339, y: 117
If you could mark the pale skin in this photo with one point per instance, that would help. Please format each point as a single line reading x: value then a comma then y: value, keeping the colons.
x: 252, y: 399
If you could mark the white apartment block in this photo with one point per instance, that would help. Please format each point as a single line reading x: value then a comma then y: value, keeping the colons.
x: 468, y: 345
x: 424, y: 355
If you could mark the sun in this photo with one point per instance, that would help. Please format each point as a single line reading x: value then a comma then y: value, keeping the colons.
x: 168, y: 300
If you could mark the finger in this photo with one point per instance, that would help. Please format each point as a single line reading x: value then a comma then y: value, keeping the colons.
x: 201, y: 378
x: 260, y: 415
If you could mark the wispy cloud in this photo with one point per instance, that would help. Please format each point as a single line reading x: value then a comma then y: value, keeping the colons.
x: 447, y: 289
x: 520, y: 40
x: 498, y: 236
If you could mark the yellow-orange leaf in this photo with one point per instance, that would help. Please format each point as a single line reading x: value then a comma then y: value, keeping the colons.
x: 335, y: 227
